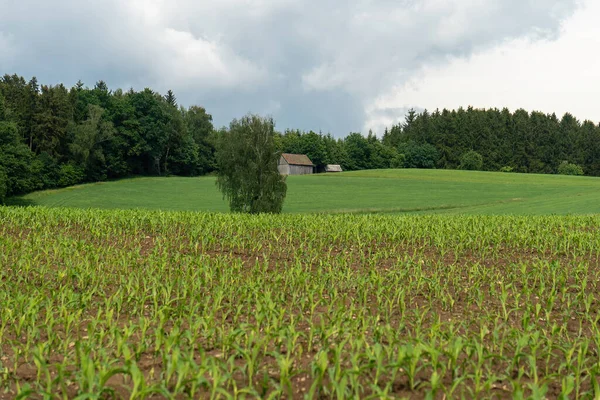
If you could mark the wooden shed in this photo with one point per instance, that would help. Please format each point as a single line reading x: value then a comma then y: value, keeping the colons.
x: 333, y: 168
x: 295, y: 164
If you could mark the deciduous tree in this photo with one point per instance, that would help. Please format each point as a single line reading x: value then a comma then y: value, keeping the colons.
x: 247, y: 166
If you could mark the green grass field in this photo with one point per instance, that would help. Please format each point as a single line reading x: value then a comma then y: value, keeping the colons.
x: 387, y: 191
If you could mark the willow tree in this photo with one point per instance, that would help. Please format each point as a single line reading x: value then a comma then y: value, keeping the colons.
x: 247, y: 161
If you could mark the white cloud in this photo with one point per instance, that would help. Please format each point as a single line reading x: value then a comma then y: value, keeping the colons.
x: 549, y: 75
x: 174, y: 58
x: 188, y: 59
x: 322, y: 63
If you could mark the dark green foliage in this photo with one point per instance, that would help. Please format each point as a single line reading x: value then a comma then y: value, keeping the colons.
x: 399, y: 161
x: 381, y: 156
x: 52, y: 136
x: 16, y: 160
x: 566, y: 168
x: 321, y: 149
x: 418, y: 155
x: 70, y: 174
x: 527, y: 142
x: 49, y: 132
x: 13, y: 89
x: 2, y: 108
x: 88, y: 141
x: 171, y: 99
x: 335, y: 149
x: 152, y: 115
x: 472, y: 161
x: 47, y: 170
x: 247, y: 166
x: 359, y: 152
x: 196, y: 155
x: 3, y: 184
x: 309, y: 143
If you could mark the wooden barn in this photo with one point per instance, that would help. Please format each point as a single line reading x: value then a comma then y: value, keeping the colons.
x: 295, y: 164
x: 333, y: 168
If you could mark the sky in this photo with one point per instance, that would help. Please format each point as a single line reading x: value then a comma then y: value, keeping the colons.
x: 334, y: 66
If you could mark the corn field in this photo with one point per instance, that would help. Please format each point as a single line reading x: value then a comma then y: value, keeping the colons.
x: 139, y: 304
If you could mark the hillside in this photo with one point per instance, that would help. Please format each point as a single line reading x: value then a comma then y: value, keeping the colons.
x: 388, y: 191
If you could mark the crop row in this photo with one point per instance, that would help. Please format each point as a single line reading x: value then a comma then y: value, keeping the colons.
x: 137, y: 304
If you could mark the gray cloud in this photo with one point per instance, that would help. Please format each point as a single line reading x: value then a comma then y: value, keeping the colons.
x: 315, y: 64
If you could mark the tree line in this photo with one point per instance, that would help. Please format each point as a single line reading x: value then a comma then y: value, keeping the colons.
x: 519, y: 141
x: 482, y: 139
x: 53, y: 136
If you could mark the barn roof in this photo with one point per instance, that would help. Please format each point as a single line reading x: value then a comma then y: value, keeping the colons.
x: 333, y: 168
x: 297, y: 159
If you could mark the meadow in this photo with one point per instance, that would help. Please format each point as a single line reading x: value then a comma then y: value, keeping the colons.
x: 152, y: 304
x: 375, y: 191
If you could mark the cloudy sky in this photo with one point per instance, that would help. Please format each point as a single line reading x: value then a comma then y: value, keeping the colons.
x: 330, y: 65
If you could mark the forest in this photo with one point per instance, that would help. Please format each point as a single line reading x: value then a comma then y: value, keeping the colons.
x: 53, y: 136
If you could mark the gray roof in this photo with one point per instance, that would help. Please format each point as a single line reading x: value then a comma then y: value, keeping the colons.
x: 333, y: 168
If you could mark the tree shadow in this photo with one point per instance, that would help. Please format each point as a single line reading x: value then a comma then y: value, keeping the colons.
x: 18, y: 201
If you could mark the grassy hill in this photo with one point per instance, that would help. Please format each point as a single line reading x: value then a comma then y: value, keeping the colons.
x: 389, y: 191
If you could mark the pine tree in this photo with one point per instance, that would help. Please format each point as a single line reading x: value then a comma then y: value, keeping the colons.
x: 171, y: 99
x: 33, y: 91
